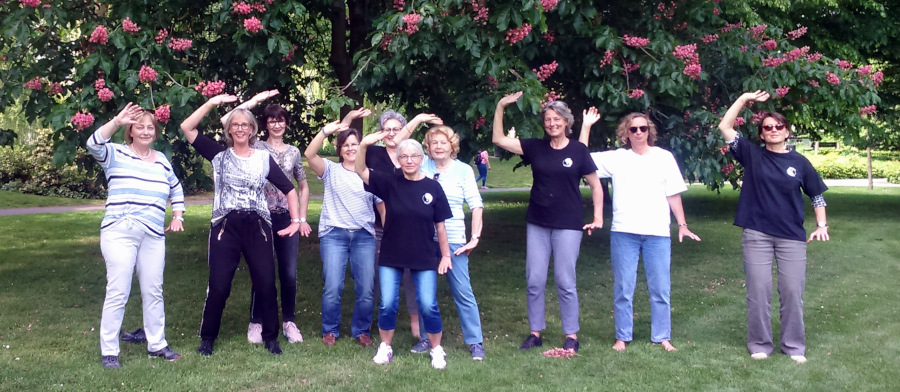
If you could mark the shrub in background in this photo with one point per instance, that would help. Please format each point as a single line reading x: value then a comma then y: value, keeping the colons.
x: 30, y: 169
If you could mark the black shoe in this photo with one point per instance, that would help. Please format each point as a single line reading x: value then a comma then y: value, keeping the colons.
x: 273, y: 347
x: 110, y: 361
x: 206, y: 347
x: 571, y: 344
x: 531, y: 342
x: 165, y: 353
x: 137, y: 336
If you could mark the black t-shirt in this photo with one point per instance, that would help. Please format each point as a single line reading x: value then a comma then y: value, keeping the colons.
x: 555, y: 196
x: 378, y: 158
x: 413, y: 207
x: 770, y: 199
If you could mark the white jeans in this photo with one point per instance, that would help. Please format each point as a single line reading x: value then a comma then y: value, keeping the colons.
x: 126, y: 248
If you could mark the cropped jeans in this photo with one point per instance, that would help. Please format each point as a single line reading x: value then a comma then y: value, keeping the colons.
x: 625, y: 250
x: 337, y: 247
x: 461, y: 289
x: 425, y: 282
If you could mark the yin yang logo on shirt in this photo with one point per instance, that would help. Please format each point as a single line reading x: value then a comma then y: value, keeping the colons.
x: 567, y: 162
x: 791, y: 171
x: 427, y: 198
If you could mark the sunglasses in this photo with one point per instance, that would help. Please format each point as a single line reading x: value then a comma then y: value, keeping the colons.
x: 642, y: 128
x: 776, y: 126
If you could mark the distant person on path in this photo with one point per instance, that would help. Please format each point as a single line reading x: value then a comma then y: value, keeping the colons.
x: 346, y: 233
x: 276, y: 121
x: 770, y: 209
x: 140, y: 182
x: 554, y: 216
x: 482, y: 161
x: 416, y: 210
x: 241, y: 223
x: 458, y: 182
x: 647, y: 186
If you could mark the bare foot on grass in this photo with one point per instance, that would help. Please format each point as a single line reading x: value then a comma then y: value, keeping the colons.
x: 667, y: 345
x: 619, y: 346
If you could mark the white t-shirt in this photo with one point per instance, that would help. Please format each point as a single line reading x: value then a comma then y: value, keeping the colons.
x: 641, y: 184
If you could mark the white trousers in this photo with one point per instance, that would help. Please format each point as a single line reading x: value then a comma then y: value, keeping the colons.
x: 127, y: 248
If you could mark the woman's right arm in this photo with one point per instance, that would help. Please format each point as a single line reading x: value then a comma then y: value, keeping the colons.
x: 317, y: 163
x: 726, y: 126
x: 510, y: 144
x: 361, y: 169
x: 189, y: 125
x: 588, y: 118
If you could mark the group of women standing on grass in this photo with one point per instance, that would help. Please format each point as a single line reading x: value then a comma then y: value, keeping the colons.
x: 412, y: 197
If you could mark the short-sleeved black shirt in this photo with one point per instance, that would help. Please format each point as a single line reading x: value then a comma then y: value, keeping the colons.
x: 555, y: 195
x: 771, y: 201
x: 413, y: 207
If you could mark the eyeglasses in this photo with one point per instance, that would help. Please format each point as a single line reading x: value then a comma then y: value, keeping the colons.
x: 241, y: 126
x: 408, y: 157
x: 642, y: 128
x: 776, y: 126
x: 275, y: 122
x: 391, y: 130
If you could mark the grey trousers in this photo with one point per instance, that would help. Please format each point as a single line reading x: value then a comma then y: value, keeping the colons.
x: 790, y: 255
x: 564, y: 245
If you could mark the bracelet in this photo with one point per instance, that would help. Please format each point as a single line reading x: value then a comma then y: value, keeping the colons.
x: 181, y: 218
x: 476, y: 237
x: 682, y: 224
x: 298, y: 220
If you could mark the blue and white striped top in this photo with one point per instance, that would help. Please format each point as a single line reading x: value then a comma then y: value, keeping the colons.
x: 138, y: 190
x: 346, y: 204
x: 458, y: 182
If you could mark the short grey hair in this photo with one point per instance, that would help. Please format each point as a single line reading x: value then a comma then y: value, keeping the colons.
x: 391, y: 115
x: 407, y: 143
x: 563, y: 111
x: 250, y: 119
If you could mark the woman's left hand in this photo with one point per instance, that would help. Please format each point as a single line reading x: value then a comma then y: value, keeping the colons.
x: 595, y: 225
x: 290, y: 230
x: 821, y: 234
x: 467, y: 248
x: 683, y: 231
x: 175, y: 225
x: 305, y: 229
x: 445, y: 265
x: 260, y: 97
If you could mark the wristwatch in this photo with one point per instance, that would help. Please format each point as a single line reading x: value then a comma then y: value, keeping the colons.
x: 822, y: 224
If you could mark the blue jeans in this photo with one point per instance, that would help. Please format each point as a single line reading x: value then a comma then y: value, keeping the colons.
x: 461, y: 289
x: 337, y: 247
x: 482, y: 173
x: 625, y: 249
x: 426, y: 296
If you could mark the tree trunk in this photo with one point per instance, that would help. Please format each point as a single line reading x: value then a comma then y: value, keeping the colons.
x: 348, y: 33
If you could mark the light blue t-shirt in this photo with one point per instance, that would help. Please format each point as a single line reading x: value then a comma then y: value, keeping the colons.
x: 458, y: 182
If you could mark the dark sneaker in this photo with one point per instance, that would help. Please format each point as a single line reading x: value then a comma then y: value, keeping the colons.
x: 110, y: 361
x: 273, y: 347
x: 571, y: 344
x: 136, y: 336
x: 206, y: 347
x: 422, y: 347
x: 166, y: 353
x: 477, y: 351
x: 531, y: 342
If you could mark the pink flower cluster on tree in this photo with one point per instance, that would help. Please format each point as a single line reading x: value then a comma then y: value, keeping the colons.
x: 34, y: 84
x: 82, y: 120
x: 688, y: 54
x: 241, y: 8
x: 844, y: 64
x: 480, y: 123
x: 481, y: 12
x: 162, y: 113
x: 549, y: 5
x: 814, y: 83
x: 757, y: 31
x: 635, y: 42
x: 732, y: 26
x: 253, y: 25
x: 782, y: 91
x: 31, y: 3
x: 738, y: 121
x: 708, y: 39
x: 544, y: 71
x: 550, y: 36
x: 99, y: 35
x: 877, y: 78
x: 665, y: 11
x: 147, y: 74
x: 814, y: 57
x: 412, y: 23
x: 399, y: 4
x: 867, y: 110
x: 797, y: 53
x: 105, y: 94
x: 832, y: 78
x: 794, y: 34
x: 180, y: 44
x: 630, y: 67
x: 727, y: 168
x: 55, y: 88
x: 769, y: 44
x: 161, y: 36
x: 518, y: 34
x: 773, y: 61
x: 130, y: 27
x: 607, y: 58
x: 209, y: 89
x: 636, y: 93
x: 492, y: 83
x: 549, y: 97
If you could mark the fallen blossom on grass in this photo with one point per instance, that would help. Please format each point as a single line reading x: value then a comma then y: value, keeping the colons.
x: 560, y: 353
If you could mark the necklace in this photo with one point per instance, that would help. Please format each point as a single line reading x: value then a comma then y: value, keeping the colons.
x: 149, y: 151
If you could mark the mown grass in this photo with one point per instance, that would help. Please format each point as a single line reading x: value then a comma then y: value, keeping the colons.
x: 52, y: 280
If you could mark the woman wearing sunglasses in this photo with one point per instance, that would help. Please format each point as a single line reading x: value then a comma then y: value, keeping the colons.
x: 555, y: 215
x: 770, y: 209
x: 647, y: 186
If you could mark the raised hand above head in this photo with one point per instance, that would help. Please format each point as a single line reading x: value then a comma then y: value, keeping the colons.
x: 262, y: 96
x: 590, y: 116
x: 335, y: 127
x: 355, y: 114
x: 222, y: 98
x: 756, y: 96
x: 128, y: 115
x: 373, y: 138
x: 509, y: 99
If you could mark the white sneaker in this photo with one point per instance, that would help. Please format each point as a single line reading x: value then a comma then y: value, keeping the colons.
x: 254, y: 333
x: 438, y: 358
x: 384, y: 355
x: 759, y: 356
x: 799, y: 358
x: 291, y: 332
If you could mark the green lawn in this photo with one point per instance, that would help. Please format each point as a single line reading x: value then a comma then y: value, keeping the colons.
x: 10, y: 199
x: 52, y: 280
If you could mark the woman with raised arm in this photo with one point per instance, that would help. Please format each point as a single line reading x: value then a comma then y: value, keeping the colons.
x: 346, y: 232
x: 141, y: 182
x: 290, y: 161
x: 554, y: 216
x: 241, y: 222
x: 770, y: 209
x: 416, y: 210
x: 458, y: 182
x: 647, y: 186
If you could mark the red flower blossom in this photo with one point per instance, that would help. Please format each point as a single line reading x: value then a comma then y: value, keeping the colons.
x: 31, y: 3
x: 636, y: 93
x: 412, y: 23
x: 782, y: 91
x: 867, y: 110
x: 162, y: 114
x: 757, y: 31
x: 796, y: 53
x: 877, y: 78
x: 710, y: 38
x: 209, y: 89
x: 180, y: 44
x: 480, y: 123
x: 635, y: 42
x: 130, y: 27
x: 814, y: 83
x: 492, y: 83
x: 161, y: 36
x: 550, y: 36
x: 692, y: 70
x: 398, y: 5
x: 727, y: 169
x: 147, y: 74
x: 844, y: 64
x: 549, y: 5
x: 253, y: 25
x: 99, y: 84
x: 241, y: 8
x: 518, y: 34
x: 82, y: 120
x: 773, y: 61
x: 99, y: 35
x: 545, y: 71
x: 739, y: 121
x: 607, y: 58
x: 55, y: 88
x: 34, y: 84
x: 814, y: 57
x: 794, y: 34
x: 769, y: 44
x: 832, y: 78
x: 105, y: 95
